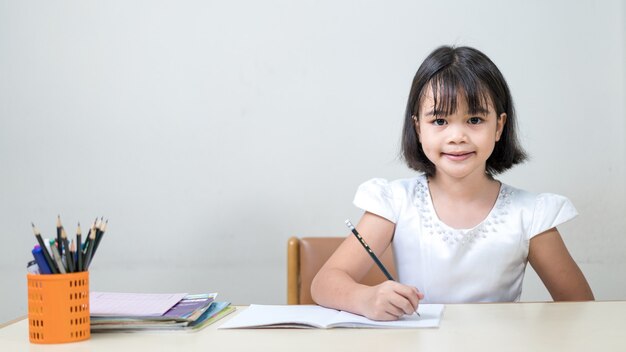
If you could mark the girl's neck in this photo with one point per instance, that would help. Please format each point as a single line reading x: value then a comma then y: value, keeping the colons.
x: 463, y: 203
x: 464, y: 189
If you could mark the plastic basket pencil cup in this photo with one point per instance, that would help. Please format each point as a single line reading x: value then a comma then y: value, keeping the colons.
x: 58, y: 307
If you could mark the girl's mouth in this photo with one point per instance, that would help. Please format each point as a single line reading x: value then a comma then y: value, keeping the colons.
x: 458, y: 156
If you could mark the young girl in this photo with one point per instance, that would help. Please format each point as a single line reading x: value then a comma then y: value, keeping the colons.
x: 458, y: 234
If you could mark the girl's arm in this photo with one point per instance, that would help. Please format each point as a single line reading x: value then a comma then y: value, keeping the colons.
x: 556, y: 268
x: 336, y: 284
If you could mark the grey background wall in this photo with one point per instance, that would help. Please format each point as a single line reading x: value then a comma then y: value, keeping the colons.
x: 209, y: 132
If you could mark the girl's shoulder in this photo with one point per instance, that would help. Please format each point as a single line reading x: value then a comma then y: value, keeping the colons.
x: 386, y: 198
x: 398, y: 188
x: 539, y: 211
x: 532, y: 199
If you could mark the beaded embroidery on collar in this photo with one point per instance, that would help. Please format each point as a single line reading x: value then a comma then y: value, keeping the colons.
x: 432, y: 226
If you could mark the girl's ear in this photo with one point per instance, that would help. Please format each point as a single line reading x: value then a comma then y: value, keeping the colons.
x: 501, y: 121
x: 417, y: 126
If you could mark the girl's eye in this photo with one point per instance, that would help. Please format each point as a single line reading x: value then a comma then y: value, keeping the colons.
x: 475, y: 120
x: 439, y: 122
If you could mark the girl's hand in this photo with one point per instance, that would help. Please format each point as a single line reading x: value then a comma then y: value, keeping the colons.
x: 389, y: 300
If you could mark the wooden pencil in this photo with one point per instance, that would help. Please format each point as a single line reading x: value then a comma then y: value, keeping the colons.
x: 72, y: 253
x: 44, y: 250
x: 79, y: 252
x: 59, y: 237
x: 99, y: 234
x: 57, y: 258
x: 89, y: 252
x: 69, y: 260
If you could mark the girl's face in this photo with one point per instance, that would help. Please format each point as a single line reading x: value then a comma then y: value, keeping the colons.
x: 458, y: 144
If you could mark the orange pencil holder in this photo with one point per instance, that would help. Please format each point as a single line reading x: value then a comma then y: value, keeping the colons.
x: 58, y: 307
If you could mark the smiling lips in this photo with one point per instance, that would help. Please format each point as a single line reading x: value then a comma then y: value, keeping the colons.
x: 458, y: 156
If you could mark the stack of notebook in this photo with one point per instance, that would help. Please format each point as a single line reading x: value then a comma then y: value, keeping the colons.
x: 111, y: 311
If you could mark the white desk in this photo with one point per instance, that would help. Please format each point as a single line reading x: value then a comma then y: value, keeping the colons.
x: 527, y: 327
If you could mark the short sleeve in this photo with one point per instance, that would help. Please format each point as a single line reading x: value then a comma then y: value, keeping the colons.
x: 376, y: 196
x: 551, y: 210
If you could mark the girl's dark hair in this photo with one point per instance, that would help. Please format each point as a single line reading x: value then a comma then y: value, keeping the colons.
x: 450, y: 71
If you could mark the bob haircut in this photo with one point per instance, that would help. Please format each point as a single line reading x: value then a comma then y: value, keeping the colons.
x: 451, y: 71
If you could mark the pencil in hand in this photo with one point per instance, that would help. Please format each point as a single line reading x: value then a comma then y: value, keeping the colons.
x: 369, y: 250
x: 371, y: 253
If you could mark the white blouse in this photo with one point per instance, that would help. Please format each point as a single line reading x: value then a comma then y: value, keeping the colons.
x: 483, y: 264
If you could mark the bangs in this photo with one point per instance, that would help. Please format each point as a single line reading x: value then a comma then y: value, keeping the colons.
x: 446, y: 87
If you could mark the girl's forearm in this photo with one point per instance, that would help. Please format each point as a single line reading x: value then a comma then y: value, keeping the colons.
x: 334, y: 288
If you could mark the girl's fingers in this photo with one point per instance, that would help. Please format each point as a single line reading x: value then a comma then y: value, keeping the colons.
x: 411, y: 296
x: 393, y: 300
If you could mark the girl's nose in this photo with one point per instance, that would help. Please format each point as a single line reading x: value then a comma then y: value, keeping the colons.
x: 457, y: 133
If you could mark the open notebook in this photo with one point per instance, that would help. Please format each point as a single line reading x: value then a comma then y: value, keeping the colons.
x: 312, y: 316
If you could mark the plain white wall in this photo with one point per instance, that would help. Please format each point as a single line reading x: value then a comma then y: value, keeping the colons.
x: 208, y: 133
